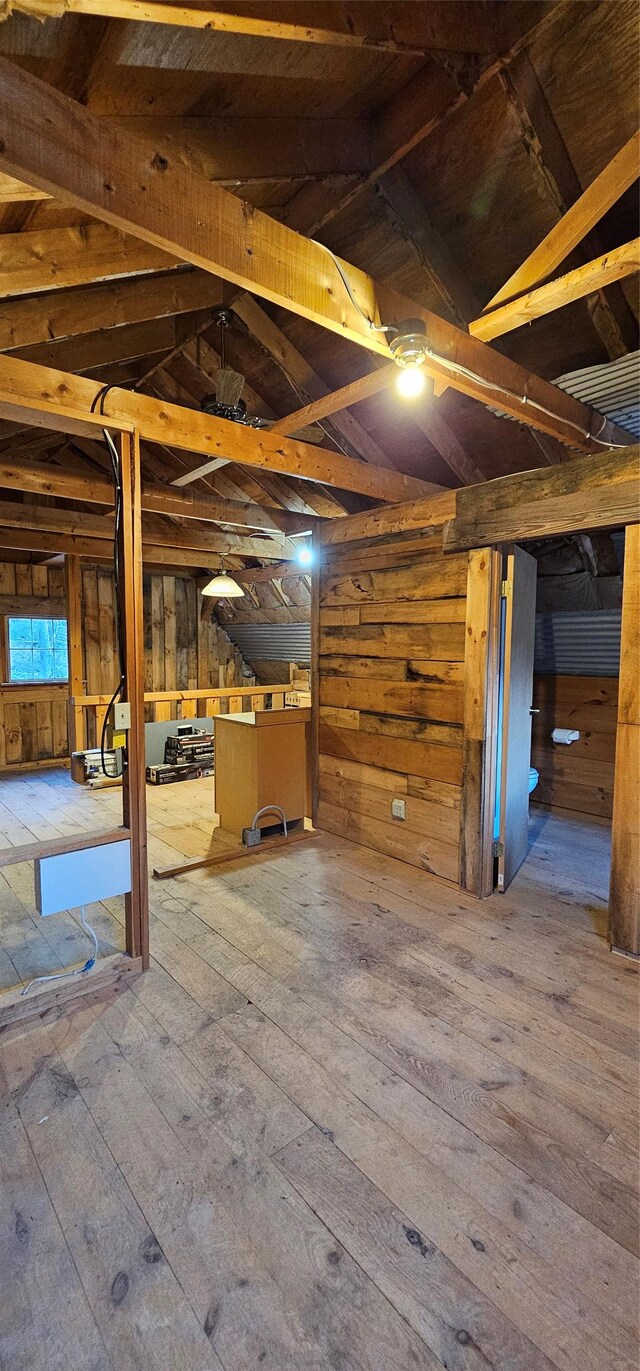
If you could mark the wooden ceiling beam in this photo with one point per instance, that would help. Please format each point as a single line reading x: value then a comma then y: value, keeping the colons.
x: 583, y: 215
x: 557, y: 182
x: 241, y: 150
x: 45, y: 137
x: 98, y: 550
x: 575, y: 285
x: 44, y: 398
x: 52, y: 259
x: 336, y: 400
x: 51, y: 318
x: 40, y: 478
x: 446, y: 26
x: 591, y: 493
x: 50, y: 519
x: 105, y: 346
x: 425, y: 415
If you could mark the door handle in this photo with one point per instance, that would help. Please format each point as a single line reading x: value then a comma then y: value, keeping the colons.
x: 533, y: 711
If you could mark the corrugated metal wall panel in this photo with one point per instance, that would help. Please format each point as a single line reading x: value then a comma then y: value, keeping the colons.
x: 612, y: 388
x: 272, y: 642
x: 581, y: 643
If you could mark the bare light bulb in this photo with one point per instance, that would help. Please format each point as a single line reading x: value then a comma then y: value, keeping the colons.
x: 304, y: 555
x: 410, y: 382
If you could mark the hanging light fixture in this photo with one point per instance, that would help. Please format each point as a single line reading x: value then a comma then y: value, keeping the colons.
x: 223, y: 587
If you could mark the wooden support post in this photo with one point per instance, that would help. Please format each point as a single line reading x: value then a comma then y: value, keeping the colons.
x: 73, y: 592
x: 314, y: 676
x: 134, y: 778
x: 624, y: 890
x: 482, y: 641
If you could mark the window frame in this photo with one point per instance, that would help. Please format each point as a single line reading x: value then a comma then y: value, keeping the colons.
x: 6, y: 663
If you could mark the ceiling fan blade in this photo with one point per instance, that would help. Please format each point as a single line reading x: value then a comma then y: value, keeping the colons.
x: 229, y: 384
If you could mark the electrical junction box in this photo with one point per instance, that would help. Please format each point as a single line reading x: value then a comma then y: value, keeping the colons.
x: 67, y: 880
x: 121, y: 717
x: 398, y: 809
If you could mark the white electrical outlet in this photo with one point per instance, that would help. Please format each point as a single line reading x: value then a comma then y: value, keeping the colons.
x: 122, y: 716
x: 398, y: 809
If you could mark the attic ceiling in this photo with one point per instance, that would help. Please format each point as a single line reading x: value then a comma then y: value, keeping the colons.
x: 530, y: 102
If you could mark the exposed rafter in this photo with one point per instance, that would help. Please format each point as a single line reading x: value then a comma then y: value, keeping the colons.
x: 447, y: 26
x: 89, y: 351
x: 587, y: 211
x: 46, y: 398
x: 593, y: 276
x: 411, y: 219
x: 53, y: 259
x: 38, y: 478
x: 242, y: 150
x: 336, y: 400
x: 52, y: 317
x: 47, y: 139
x: 22, y: 517
x: 412, y: 115
x: 557, y: 181
x: 304, y: 379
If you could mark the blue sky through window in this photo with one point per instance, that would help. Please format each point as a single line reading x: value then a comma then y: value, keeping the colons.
x: 38, y: 650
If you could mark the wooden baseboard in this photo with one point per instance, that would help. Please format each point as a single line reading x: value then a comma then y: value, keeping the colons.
x: 44, y: 764
x: 17, y: 1008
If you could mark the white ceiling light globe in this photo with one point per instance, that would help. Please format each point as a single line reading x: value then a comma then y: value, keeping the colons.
x: 223, y: 587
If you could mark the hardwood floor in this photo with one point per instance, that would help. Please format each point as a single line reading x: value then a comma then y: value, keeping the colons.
x: 350, y: 1120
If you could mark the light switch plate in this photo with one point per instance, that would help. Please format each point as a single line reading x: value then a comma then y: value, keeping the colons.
x: 398, y: 809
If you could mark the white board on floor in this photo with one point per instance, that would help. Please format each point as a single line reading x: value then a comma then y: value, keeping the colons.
x: 71, y: 879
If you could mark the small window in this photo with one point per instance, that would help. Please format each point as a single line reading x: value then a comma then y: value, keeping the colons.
x: 37, y: 650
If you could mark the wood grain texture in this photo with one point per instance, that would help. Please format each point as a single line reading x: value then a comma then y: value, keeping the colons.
x: 181, y: 652
x: 590, y: 493
x: 283, y: 266
x: 578, y: 777
x: 390, y: 694
x: 428, y: 1110
x: 624, y: 897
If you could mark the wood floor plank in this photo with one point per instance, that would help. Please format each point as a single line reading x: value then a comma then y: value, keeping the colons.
x: 260, y: 1270
x: 422, y: 1284
x: 362, y: 1114
x: 566, y: 1332
x: 136, y: 1302
x: 45, y: 1321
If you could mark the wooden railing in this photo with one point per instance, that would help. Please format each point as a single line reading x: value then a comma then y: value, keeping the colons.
x: 86, y: 712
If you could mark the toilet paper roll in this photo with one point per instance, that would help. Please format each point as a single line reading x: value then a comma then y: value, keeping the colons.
x: 565, y: 735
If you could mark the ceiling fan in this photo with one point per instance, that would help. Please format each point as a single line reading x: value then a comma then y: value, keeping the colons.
x: 225, y: 402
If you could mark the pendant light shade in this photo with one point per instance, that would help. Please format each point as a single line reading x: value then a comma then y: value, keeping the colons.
x: 223, y: 587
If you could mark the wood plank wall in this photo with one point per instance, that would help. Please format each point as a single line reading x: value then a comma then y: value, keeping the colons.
x: 391, y: 639
x: 577, y: 777
x: 33, y: 719
x: 182, y: 651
